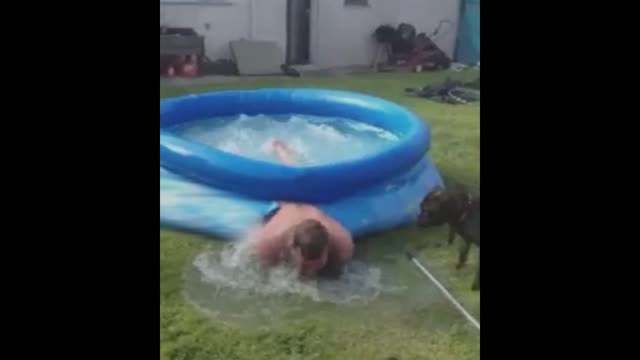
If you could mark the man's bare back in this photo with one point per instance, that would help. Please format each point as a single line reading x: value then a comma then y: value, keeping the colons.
x: 277, y: 240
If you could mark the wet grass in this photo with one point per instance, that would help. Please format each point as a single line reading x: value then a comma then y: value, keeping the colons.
x: 185, y: 333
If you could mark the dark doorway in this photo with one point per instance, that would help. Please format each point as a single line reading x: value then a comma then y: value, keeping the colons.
x: 298, y: 31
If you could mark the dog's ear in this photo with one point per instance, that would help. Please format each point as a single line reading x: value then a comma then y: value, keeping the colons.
x: 437, y: 190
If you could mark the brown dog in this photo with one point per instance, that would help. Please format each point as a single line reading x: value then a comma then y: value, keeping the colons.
x: 461, y: 211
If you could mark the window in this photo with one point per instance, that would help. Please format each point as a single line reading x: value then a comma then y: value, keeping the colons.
x: 356, y: 2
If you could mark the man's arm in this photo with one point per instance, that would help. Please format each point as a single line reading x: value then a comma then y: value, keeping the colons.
x: 267, y: 250
x: 341, y: 250
x: 344, y: 245
x: 284, y: 153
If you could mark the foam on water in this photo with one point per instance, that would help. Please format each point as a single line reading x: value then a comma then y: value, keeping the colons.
x: 234, y: 268
x: 308, y: 136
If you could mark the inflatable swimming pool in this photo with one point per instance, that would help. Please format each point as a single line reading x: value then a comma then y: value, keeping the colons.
x: 207, y: 190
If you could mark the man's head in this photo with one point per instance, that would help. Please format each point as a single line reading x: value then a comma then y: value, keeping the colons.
x: 310, y: 246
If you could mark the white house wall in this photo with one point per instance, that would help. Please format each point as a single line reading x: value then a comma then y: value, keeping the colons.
x: 339, y: 35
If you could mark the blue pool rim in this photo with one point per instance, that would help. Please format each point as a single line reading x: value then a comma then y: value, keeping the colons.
x: 263, y: 180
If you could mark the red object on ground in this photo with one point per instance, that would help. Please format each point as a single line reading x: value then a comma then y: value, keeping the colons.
x: 180, y: 66
x: 189, y: 66
x: 189, y: 69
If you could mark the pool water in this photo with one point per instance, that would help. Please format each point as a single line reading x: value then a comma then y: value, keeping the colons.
x: 314, y: 140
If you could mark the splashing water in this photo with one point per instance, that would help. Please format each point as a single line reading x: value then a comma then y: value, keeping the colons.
x: 234, y: 268
x: 308, y: 136
x: 380, y: 288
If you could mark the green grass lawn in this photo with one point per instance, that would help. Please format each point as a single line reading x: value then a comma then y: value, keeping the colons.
x: 418, y: 325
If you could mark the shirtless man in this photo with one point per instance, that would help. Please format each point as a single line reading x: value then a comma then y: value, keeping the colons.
x: 302, y: 234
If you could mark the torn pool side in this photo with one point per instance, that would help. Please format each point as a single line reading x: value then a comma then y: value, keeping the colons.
x: 210, y: 191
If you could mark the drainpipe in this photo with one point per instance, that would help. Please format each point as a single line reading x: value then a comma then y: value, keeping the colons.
x: 314, y: 27
x: 252, y: 10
